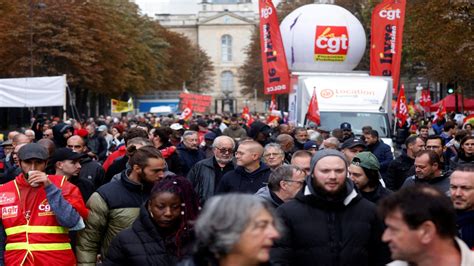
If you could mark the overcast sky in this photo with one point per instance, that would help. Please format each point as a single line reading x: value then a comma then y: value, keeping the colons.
x: 152, y: 7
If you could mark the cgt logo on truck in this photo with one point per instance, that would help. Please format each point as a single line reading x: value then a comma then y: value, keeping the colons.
x: 329, y: 93
x: 331, y: 44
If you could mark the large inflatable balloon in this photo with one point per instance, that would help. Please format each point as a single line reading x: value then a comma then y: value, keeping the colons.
x: 322, y: 38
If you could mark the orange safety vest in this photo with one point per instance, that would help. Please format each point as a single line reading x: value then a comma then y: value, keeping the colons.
x: 34, y: 237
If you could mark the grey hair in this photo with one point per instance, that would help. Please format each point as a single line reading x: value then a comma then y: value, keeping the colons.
x: 273, y: 145
x: 284, y: 172
x: 189, y: 133
x: 223, y: 220
x: 221, y: 138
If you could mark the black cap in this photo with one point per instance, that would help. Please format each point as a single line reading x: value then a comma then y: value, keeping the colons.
x: 353, y: 142
x: 33, y: 151
x: 63, y: 154
x: 346, y: 126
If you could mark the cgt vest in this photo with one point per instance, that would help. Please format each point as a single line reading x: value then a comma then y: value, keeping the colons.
x: 34, y: 237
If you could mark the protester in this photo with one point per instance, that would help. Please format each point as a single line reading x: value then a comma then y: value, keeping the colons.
x: 115, y: 205
x: 241, y: 235
x: 61, y: 132
x: 311, y: 146
x: 421, y: 229
x: 330, y: 143
x: 436, y: 144
x: 462, y: 196
x: 96, y: 144
x: 189, y: 152
x: 40, y: 208
x: 90, y: 169
x: 160, y: 139
x: 206, y: 175
x: 250, y: 175
x: 235, y: 131
x: 364, y: 172
x: 336, y: 214
x: 301, y: 137
x: 260, y: 132
x: 465, y: 154
x: 161, y: 234
x: 346, y: 131
x: 404, y: 165
x: 427, y: 171
x: 381, y: 150
x: 283, y: 184
x: 287, y: 144
x: 351, y: 147
x: 273, y: 156
x: 302, y: 160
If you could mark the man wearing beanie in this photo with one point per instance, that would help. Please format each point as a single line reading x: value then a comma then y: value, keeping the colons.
x: 328, y: 222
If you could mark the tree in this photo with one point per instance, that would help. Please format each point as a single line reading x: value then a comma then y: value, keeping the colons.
x: 439, y: 40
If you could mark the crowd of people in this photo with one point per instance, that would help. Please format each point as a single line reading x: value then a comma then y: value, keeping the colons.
x: 218, y: 191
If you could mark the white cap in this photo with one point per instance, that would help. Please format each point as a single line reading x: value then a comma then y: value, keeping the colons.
x: 176, y: 126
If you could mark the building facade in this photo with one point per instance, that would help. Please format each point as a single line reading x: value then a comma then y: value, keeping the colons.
x: 223, y: 29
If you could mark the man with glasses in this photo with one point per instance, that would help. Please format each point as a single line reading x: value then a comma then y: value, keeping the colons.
x: 250, y: 174
x: 206, y: 174
x: 302, y: 159
x: 283, y: 184
x: 273, y: 156
x: 462, y: 196
x: 436, y: 144
x: 48, y: 134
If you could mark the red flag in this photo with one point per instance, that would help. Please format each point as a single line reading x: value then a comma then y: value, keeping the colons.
x: 276, y: 76
x: 425, y: 100
x: 441, y: 112
x: 273, y: 106
x: 187, y: 112
x: 247, y: 116
x: 402, y: 110
x: 313, y: 110
x: 388, y: 19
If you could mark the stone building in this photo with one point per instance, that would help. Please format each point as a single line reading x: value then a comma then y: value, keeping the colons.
x: 223, y: 28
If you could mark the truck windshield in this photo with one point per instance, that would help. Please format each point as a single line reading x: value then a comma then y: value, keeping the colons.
x: 379, y: 122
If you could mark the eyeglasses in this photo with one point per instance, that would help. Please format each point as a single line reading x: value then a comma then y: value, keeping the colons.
x: 271, y: 155
x: 224, y: 150
x: 295, y: 181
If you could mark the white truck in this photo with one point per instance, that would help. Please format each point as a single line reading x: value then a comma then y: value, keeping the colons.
x: 353, y: 97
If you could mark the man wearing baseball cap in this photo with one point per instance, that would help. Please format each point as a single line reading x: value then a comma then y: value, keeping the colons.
x: 67, y: 163
x: 40, y: 208
x: 326, y: 213
x: 346, y: 131
x: 364, y: 172
x: 351, y: 147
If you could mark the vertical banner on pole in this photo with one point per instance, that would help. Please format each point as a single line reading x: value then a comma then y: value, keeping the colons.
x: 388, y: 19
x: 276, y: 76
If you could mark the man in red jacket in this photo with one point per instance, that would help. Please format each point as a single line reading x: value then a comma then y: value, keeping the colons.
x: 38, y: 210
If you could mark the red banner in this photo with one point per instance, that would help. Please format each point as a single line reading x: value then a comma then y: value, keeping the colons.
x: 276, y: 76
x: 402, y: 109
x: 388, y: 19
x: 197, y: 102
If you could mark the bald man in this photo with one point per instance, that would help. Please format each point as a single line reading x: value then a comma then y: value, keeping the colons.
x: 90, y: 169
x: 287, y: 144
x: 250, y: 174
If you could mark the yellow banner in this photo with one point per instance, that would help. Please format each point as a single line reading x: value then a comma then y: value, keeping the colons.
x: 121, y: 106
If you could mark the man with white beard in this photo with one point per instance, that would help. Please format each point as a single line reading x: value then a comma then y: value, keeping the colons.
x: 206, y: 174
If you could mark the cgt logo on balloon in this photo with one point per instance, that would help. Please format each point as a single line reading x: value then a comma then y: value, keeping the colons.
x: 331, y: 43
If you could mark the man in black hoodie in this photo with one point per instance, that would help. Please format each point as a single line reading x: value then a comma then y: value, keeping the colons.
x: 61, y: 132
x: 328, y: 222
x: 250, y: 174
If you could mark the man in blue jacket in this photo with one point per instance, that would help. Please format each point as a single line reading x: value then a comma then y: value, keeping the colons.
x: 250, y: 175
x: 382, y: 151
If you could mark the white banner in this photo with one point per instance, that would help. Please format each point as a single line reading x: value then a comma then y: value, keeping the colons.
x: 33, y: 92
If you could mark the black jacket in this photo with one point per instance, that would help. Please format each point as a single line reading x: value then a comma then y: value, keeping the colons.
x: 188, y: 157
x: 58, y: 134
x: 142, y: 245
x: 398, y: 170
x: 203, y: 178
x: 117, y: 166
x: 97, y: 145
x: 326, y: 232
x: 375, y: 196
x: 241, y: 181
x: 92, y: 171
x: 384, y: 154
x: 465, y: 223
